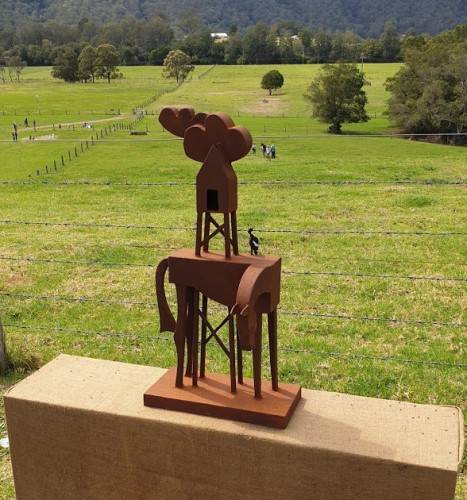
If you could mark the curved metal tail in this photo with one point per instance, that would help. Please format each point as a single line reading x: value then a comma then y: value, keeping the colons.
x: 166, y: 318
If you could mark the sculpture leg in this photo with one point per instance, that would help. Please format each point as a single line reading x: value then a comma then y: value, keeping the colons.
x: 272, y: 331
x: 239, y: 361
x: 227, y: 235
x: 189, y: 333
x: 180, y: 332
x: 202, y: 364
x: 233, y: 219
x: 257, y: 358
x: 207, y: 228
x: 195, y: 331
x: 233, y: 381
x: 199, y: 228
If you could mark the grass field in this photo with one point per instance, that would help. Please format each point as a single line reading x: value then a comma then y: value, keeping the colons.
x: 373, y: 301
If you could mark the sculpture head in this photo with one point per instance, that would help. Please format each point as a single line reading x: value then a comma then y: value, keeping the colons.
x: 201, y: 132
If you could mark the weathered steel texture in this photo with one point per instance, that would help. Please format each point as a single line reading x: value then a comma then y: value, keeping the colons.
x: 247, y: 285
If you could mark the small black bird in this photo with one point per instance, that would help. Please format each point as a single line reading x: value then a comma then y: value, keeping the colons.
x: 254, y: 242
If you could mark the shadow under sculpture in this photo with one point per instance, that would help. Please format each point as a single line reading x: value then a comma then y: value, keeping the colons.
x: 247, y: 286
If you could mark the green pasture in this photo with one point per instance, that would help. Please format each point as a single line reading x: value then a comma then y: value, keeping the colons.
x: 376, y: 238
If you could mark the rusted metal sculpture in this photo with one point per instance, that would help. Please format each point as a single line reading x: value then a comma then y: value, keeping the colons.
x: 247, y: 285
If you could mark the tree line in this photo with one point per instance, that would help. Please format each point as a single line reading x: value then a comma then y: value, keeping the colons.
x: 148, y: 42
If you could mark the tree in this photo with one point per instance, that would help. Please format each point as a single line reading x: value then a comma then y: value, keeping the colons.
x: 272, y: 80
x: 157, y: 56
x: 233, y: 49
x: 177, y: 65
x: 2, y: 68
x: 107, y: 60
x: 88, y: 63
x: 322, y: 46
x: 15, y: 67
x: 390, y: 44
x: 429, y: 93
x: 259, y: 45
x: 66, y: 65
x: 337, y: 96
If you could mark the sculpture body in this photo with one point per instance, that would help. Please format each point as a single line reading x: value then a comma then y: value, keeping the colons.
x: 248, y: 286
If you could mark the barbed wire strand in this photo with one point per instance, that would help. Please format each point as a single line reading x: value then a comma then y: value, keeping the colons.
x: 330, y: 354
x: 279, y: 182
x: 152, y: 305
x: 262, y: 230
x: 272, y: 247
x: 284, y: 272
x: 268, y: 136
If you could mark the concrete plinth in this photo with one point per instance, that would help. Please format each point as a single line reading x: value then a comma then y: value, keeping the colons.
x: 78, y: 429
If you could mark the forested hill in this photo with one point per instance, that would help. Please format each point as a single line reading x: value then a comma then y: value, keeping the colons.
x: 365, y: 17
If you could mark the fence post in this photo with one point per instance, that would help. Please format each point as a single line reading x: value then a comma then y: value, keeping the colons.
x: 55, y: 165
x: 87, y: 145
x: 69, y: 155
x: 3, y: 355
x: 76, y: 153
x: 63, y: 161
x: 81, y: 147
x: 46, y: 169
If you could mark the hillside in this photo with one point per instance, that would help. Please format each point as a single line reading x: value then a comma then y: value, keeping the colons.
x: 365, y: 17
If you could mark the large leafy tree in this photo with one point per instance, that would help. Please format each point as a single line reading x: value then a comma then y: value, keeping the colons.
x: 88, y: 63
x: 272, y: 80
x: 107, y: 61
x: 66, y: 65
x: 177, y: 65
x: 429, y: 93
x: 337, y: 96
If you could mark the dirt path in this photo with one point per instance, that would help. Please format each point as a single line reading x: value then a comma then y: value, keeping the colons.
x: 101, y: 120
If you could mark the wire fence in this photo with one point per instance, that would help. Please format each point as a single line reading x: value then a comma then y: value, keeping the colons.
x: 278, y: 182
x: 301, y: 232
x: 97, y: 263
x: 59, y: 112
x: 288, y: 136
x: 355, y: 357
x: 285, y: 312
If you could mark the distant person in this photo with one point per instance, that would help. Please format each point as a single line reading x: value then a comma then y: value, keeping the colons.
x: 263, y: 149
x: 268, y: 152
x: 254, y: 242
x: 26, y: 122
x: 15, y: 127
x: 273, y: 151
x: 253, y: 149
x: 34, y: 125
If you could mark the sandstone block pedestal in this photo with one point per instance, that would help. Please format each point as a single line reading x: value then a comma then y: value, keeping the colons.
x: 78, y: 429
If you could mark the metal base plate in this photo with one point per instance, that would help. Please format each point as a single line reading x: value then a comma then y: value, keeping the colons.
x: 213, y: 398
